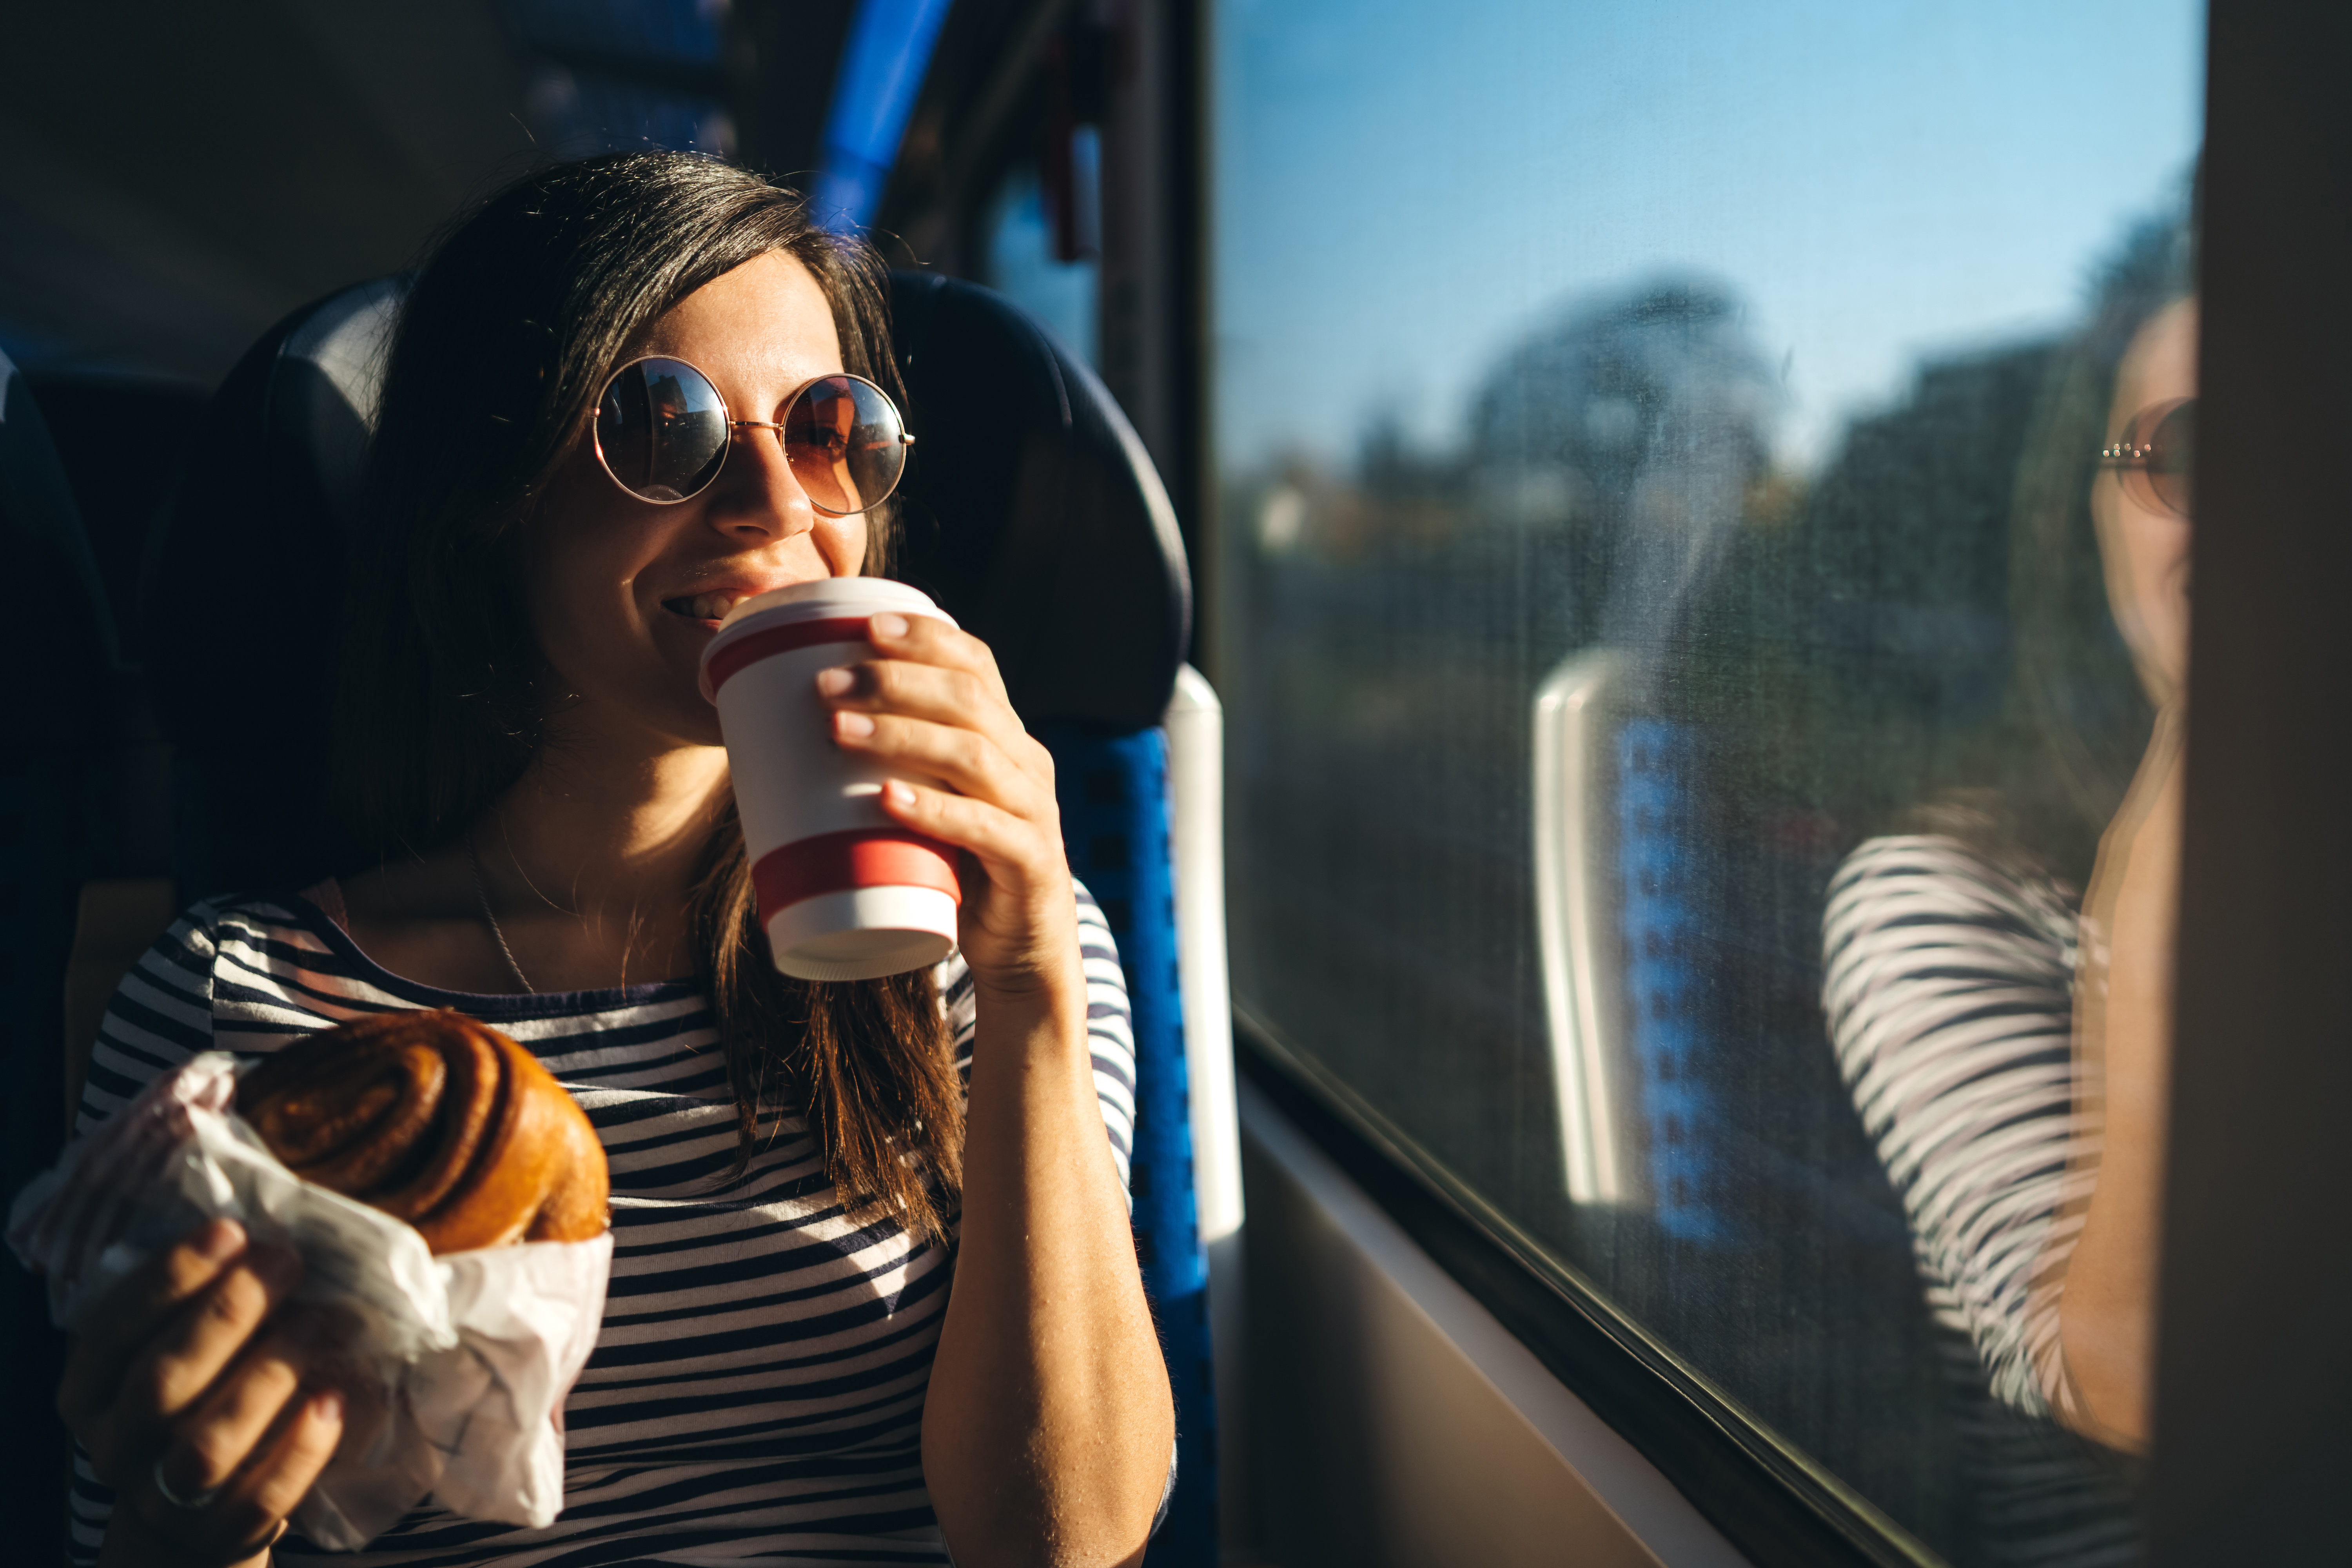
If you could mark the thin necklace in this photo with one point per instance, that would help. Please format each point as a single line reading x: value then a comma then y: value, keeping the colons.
x: 474, y: 858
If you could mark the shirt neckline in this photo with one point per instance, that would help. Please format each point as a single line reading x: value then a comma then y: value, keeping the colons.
x: 319, y: 921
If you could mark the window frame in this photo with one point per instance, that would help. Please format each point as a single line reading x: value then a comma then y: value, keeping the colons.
x: 2255, y: 1401
x: 1768, y: 1498
x: 2252, y: 1436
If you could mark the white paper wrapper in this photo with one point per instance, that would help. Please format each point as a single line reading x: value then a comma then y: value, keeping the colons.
x: 454, y: 1368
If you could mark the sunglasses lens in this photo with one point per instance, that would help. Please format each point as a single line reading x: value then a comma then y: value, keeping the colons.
x: 2171, y: 456
x: 661, y: 429
x: 845, y: 444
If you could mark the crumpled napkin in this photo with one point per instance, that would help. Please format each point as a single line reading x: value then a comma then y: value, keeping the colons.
x: 454, y: 1368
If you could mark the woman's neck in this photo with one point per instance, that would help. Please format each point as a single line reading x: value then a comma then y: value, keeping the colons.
x: 595, y: 834
x: 580, y: 877
x: 589, y: 861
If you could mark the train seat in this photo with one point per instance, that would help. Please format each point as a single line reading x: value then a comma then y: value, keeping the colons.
x: 251, y: 557
x: 54, y: 786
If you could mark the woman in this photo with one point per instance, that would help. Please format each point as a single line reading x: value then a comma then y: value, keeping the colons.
x: 2007, y: 1040
x: 782, y: 1373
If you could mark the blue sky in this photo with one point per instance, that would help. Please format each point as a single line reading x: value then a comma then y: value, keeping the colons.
x: 1403, y: 191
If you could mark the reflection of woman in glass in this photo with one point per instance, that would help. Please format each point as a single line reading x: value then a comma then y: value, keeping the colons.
x: 2004, y: 1040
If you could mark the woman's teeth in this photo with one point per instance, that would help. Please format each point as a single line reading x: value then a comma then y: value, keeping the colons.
x: 704, y: 607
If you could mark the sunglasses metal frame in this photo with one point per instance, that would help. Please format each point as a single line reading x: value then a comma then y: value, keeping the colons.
x: 2128, y: 456
x: 596, y: 437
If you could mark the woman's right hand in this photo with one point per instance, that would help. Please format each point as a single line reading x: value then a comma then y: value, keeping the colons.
x: 188, y: 1377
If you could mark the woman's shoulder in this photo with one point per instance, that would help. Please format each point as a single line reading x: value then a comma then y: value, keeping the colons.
x: 163, y: 1011
x: 1932, y: 881
x: 207, y: 921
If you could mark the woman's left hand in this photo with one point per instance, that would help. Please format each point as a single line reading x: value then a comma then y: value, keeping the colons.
x: 932, y: 703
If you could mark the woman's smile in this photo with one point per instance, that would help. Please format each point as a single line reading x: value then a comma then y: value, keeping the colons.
x: 707, y: 608
x: 710, y: 606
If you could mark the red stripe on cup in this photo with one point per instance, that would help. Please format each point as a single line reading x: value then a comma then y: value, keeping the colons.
x: 854, y: 857
x: 744, y: 651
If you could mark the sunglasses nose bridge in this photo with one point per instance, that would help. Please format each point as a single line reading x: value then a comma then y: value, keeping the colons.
x: 784, y: 492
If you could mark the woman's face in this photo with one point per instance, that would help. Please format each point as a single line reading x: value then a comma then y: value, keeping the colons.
x: 2144, y: 549
x: 624, y: 593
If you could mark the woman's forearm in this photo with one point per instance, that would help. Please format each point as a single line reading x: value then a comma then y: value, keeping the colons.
x: 2106, y: 1309
x: 1048, y: 1424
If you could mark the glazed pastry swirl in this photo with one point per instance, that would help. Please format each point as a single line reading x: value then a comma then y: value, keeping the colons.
x: 438, y: 1121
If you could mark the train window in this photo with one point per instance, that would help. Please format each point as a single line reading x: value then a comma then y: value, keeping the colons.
x: 1703, y: 498
x: 1024, y: 256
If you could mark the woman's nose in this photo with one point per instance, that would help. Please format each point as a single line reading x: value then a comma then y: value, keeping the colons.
x: 758, y: 493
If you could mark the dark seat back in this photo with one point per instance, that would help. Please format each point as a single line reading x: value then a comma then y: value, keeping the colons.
x: 1033, y: 511
x: 53, y: 782
x: 244, y: 619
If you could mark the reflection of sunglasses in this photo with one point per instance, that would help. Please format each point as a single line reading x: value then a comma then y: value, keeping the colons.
x: 662, y: 432
x: 2156, y: 455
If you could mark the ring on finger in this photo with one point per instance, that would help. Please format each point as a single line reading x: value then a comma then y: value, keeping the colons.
x: 164, y: 1489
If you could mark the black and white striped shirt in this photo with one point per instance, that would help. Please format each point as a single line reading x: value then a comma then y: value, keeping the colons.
x: 1949, y: 982
x: 756, y: 1393
x: 1948, y: 986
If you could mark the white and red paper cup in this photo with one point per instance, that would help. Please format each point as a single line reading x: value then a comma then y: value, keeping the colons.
x: 844, y: 893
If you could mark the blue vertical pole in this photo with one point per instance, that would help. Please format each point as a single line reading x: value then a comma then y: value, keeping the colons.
x: 881, y: 75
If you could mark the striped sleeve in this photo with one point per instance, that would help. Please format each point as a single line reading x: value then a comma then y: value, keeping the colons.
x: 1947, y: 984
x: 162, y: 1014
x: 1110, y: 1033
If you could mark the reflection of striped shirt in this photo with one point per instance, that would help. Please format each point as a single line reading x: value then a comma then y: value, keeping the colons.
x: 1949, y: 982
x: 756, y: 1394
x: 1948, y: 986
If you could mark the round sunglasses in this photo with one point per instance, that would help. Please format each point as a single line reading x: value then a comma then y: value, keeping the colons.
x: 663, y: 432
x: 2156, y: 455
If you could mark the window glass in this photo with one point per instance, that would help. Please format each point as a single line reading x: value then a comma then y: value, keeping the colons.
x: 1701, y: 608
x: 1022, y: 260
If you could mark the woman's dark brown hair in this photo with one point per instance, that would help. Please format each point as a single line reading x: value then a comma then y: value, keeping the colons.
x: 2036, y: 789
x: 2075, y: 691
x: 507, y: 336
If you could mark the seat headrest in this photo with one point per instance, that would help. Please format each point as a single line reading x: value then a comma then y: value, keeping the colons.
x: 1033, y: 512
x: 58, y: 625
x: 250, y: 558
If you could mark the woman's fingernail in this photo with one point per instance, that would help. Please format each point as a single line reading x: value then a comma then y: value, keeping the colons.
x: 221, y: 1239
x: 893, y: 626
x: 898, y: 794
x: 834, y: 682
x: 854, y: 726
x: 327, y: 1403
